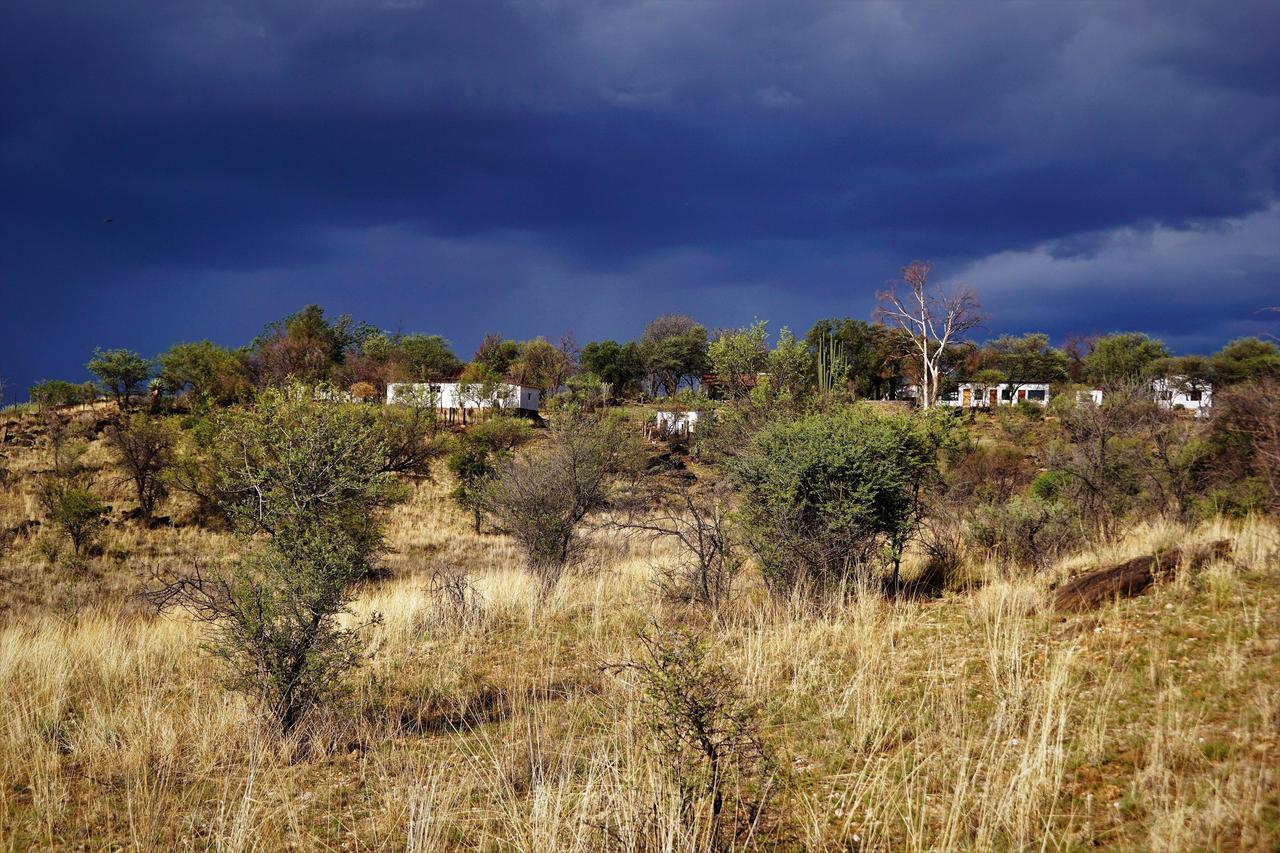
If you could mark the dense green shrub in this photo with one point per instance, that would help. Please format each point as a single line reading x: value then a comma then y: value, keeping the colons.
x: 828, y: 493
x: 53, y: 393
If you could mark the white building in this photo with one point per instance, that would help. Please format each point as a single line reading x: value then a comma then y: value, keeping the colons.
x: 1174, y: 392
x: 983, y: 395
x: 1177, y: 392
x: 677, y: 423
x: 466, y: 395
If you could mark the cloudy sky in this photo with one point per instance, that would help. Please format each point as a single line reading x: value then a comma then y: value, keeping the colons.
x: 463, y: 166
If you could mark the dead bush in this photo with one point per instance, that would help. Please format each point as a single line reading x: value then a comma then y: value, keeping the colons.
x: 456, y: 603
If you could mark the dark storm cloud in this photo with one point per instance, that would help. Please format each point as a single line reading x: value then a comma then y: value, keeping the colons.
x: 458, y: 166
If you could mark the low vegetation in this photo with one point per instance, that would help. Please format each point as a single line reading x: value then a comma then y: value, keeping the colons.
x: 261, y: 611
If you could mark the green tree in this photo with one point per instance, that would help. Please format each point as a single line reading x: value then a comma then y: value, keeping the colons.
x: 1122, y: 357
x: 427, y: 358
x: 790, y: 365
x: 74, y: 509
x: 674, y: 348
x: 1246, y: 359
x: 736, y: 357
x: 143, y: 447
x: 472, y: 465
x: 870, y: 352
x: 304, y: 483
x: 1023, y: 360
x: 825, y: 494
x: 205, y: 370
x: 496, y: 355
x: 121, y: 372
x: 621, y: 366
x: 52, y: 393
x: 306, y: 346
x: 541, y: 365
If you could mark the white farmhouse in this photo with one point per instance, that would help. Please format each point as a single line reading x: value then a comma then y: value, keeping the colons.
x: 975, y: 395
x: 1174, y: 392
x: 466, y: 395
x: 1177, y: 392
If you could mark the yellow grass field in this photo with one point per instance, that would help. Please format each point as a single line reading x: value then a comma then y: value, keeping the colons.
x: 977, y: 721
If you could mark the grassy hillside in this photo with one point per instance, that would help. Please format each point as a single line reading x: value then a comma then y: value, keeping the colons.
x: 494, y: 719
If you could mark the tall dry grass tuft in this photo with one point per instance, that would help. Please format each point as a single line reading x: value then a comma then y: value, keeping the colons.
x: 979, y: 720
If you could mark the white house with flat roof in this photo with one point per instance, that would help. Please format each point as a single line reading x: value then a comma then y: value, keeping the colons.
x: 1178, y: 392
x: 466, y: 395
x: 988, y: 395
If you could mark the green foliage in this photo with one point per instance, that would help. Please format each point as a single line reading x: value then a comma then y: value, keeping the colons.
x: 790, y: 365
x: 73, y: 509
x: 144, y: 448
x: 869, y: 353
x: 472, y: 465
x: 121, y: 372
x: 304, y: 481
x: 1025, y: 359
x: 1246, y: 359
x: 737, y: 356
x: 408, y: 435
x: 53, y: 393
x: 826, y: 493
x: 427, y: 357
x: 496, y: 355
x: 1122, y: 358
x: 621, y: 366
x: 205, y: 370
x: 306, y: 347
x: 674, y: 349
x: 541, y: 365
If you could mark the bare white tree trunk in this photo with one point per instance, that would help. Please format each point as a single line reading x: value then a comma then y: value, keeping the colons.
x: 939, y: 316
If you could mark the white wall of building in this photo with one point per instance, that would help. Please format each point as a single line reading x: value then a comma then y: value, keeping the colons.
x: 1176, y: 392
x: 982, y: 395
x: 677, y: 422
x: 465, y: 395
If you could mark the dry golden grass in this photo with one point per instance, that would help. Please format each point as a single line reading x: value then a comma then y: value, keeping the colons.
x: 977, y: 721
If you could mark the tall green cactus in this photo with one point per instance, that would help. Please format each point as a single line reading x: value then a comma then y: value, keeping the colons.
x: 832, y: 365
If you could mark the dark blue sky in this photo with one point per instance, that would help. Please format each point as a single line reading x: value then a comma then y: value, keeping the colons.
x: 461, y: 166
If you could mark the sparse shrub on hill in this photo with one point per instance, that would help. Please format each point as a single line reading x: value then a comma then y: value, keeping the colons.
x: 474, y: 458
x: 73, y: 509
x: 542, y: 496
x: 707, y: 739
x: 699, y: 519
x: 1127, y: 454
x: 305, y: 480
x: 827, y: 494
x: 1243, y: 447
x: 409, y: 435
x: 143, y: 447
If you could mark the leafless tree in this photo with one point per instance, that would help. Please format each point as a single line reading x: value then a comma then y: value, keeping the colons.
x: 699, y: 520
x: 933, y: 318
